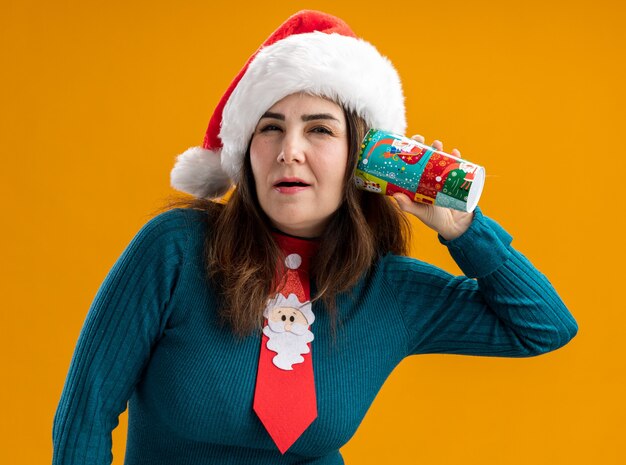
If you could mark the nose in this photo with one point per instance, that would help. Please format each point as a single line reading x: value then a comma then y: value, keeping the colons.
x: 292, y: 149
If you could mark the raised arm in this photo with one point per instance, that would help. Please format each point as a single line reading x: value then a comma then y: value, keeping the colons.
x: 503, y: 306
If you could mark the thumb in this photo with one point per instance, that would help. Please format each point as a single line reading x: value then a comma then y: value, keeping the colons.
x: 417, y: 209
x: 402, y: 200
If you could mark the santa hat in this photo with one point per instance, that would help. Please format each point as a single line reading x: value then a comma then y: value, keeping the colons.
x: 311, y: 52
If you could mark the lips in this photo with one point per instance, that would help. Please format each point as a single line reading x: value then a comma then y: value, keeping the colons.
x: 290, y: 185
x: 291, y: 182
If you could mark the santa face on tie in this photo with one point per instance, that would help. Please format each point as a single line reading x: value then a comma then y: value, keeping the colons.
x: 288, y: 321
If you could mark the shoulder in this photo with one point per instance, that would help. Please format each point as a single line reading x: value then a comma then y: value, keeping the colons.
x: 177, y: 221
x: 398, y: 269
x: 172, y: 232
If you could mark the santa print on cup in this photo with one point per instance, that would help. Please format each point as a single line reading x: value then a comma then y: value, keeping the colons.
x: 284, y: 396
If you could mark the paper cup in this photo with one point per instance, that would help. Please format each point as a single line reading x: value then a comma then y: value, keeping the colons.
x: 390, y: 163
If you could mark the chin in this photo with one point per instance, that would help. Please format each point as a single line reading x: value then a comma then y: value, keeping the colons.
x: 298, y: 218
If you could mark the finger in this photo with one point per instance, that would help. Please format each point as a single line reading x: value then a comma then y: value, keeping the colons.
x: 406, y: 205
x: 437, y: 145
x: 403, y: 201
x: 419, y: 138
x: 455, y: 153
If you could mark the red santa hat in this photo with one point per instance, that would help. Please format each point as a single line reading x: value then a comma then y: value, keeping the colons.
x: 311, y: 52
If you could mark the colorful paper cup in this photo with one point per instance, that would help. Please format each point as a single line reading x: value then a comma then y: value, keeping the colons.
x: 390, y: 163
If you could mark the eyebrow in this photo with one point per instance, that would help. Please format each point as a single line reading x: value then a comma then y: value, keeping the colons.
x: 281, y: 117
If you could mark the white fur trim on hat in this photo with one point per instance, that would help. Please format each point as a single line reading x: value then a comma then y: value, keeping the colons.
x: 198, y: 172
x: 344, y: 69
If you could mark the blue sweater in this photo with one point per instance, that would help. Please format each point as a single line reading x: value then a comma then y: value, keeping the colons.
x: 152, y: 339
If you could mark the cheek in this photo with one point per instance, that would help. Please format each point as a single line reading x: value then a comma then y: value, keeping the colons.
x: 254, y: 163
x: 333, y: 171
x: 258, y: 158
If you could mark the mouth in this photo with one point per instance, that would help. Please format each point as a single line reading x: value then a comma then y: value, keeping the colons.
x: 290, y: 185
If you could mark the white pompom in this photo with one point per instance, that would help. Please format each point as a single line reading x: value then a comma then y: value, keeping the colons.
x: 293, y: 261
x: 199, y: 172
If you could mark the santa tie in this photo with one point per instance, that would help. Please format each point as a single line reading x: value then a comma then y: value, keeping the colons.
x: 284, y: 397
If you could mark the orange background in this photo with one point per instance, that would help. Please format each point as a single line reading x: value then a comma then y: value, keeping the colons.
x: 99, y: 97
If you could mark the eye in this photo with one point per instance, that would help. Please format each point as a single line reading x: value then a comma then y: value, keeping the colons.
x: 322, y: 130
x: 270, y: 127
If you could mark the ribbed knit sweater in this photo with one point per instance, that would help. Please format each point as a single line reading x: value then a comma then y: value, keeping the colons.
x: 151, y: 340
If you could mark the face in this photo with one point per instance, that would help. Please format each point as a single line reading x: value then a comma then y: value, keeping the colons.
x: 299, y: 154
x: 288, y: 316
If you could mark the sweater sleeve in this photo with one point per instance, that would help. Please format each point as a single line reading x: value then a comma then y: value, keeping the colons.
x: 125, y: 320
x: 503, y: 306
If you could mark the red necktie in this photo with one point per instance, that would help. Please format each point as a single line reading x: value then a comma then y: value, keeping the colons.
x: 284, y: 397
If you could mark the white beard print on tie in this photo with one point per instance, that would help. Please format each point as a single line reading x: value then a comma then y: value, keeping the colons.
x: 289, y: 346
x: 292, y: 342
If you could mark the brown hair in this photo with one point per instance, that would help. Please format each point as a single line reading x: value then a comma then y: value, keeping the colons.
x: 241, y: 254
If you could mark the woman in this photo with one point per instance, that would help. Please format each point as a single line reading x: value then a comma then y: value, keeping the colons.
x: 261, y: 330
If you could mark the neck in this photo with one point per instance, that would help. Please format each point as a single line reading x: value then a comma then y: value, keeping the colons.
x: 278, y: 231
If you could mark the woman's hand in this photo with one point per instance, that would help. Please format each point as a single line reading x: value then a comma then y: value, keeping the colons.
x: 447, y: 222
